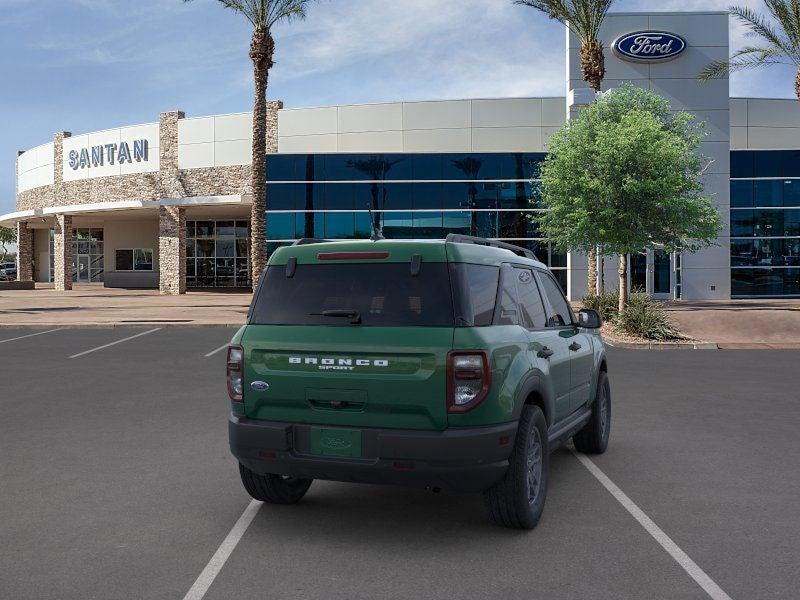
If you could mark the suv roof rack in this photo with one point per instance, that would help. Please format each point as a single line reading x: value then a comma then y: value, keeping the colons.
x: 305, y: 241
x: 457, y: 238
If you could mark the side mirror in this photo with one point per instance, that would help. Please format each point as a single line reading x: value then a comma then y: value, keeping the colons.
x: 590, y: 319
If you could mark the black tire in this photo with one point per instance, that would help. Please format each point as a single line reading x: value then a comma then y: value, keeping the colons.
x: 511, y: 503
x: 274, y: 489
x: 593, y: 438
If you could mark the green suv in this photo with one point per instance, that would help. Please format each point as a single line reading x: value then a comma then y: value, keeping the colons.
x: 448, y: 364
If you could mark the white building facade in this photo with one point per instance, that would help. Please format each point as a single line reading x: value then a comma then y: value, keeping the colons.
x: 167, y: 204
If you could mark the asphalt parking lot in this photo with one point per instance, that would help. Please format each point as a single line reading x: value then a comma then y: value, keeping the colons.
x: 116, y: 482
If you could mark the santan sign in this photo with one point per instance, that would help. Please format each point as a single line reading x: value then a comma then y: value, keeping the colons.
x: 649, y: 46
x: 97, y: 156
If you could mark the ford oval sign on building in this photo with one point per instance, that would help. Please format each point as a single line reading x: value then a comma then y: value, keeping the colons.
x: 649, y: 46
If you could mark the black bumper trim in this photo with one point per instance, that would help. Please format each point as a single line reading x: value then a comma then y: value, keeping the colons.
x: 458, y: 459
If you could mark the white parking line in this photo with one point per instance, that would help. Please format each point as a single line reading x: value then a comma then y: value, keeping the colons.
x: 115, y: 343
x: 220, y: 349
x: 214, y: 566
x: 22, y: 337
x: 687, y: 564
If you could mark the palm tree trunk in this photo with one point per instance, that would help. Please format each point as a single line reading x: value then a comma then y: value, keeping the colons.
x: 591, y: 282
x: 261, y: 51
x: 623, y: 282
x: 593, y: 67
x: 797, y: 84
x: 593, y: 70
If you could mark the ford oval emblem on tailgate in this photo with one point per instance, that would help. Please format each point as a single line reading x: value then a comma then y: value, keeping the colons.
x: 259, y: 386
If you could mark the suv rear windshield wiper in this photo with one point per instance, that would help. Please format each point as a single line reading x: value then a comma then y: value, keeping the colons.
x: 353, y: 315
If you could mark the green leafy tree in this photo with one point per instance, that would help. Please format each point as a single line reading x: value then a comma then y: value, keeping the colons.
x: 778, y: 40
x: 8, y: 236
x: 263, y: 15
x: 626, y: 175
x: 584, y: 19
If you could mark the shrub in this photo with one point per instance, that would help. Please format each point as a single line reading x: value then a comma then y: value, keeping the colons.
x: 646, y: 318
x: 605, y: 303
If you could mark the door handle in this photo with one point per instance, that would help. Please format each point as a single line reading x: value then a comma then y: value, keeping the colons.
x: 574, y: 346
x: 545, y: 352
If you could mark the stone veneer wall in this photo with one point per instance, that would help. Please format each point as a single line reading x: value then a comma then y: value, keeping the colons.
x: 172, y: 250
x: 24, y: 252
x: 62, y: 251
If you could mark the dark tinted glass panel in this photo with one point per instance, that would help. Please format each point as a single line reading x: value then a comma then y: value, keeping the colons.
x: 428, y: 224
x: 123, y: 260
x: 485, y: 224
x: 530, y: 300
x: 768, y: 164
x: 457, y: 222
x: 204, y: 228
x: 384, y: 295
x: 513, y: 225
x: 226, y: 248
x: 791, y: 222
x: 242, y: 249
x: 426, y: 166
x: 561, y: 277
x: 741, y: 194
x: 561, y: 314
x: 742, y: 164
x: 226, y: 228
x: 339, y: 196
x: 768, y: 193
x: 280, y: 226
x: 204, y: 248
x: 398, y: 225
x: 339, y: 225
x: 427, y: 195
x: 765, y: 252
x: 283, y: 196
x: 281, y: 167
x: 558, y: 259
x: 475, y: 292
x: 455, y: 195
x: 765, y: 282
x: 390, y: 196
x: 742, y: 223
x: 791, y: 192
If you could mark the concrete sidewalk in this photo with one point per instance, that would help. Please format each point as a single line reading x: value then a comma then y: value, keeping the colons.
x: 740, y: 323
x: 93, y: 305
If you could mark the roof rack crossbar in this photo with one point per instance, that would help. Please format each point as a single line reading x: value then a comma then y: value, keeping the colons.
x: 457, y: 238
x: 305, y: 241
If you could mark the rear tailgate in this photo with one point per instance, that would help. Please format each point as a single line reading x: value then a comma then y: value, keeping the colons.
x: 352, y: 376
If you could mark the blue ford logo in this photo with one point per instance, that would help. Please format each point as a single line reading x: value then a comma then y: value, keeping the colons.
x: 649, y: 46
x: 259, y: 386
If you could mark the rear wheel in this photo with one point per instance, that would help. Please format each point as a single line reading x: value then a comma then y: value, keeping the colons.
x: 593, y: 438
x: 274, y: 489
x: 518, y: 500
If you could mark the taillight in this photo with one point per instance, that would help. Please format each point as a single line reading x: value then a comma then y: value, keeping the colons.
x: 468, y: 379
x: 235, y: 372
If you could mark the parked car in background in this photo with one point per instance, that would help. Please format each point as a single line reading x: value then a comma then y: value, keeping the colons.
x: 8, y: 271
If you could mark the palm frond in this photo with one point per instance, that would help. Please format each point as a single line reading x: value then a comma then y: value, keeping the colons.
x: 746, y: 58
x: 759, y: 26
x: 583, y: 17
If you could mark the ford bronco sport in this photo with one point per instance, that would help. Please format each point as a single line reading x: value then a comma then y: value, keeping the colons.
x: 449, y: 364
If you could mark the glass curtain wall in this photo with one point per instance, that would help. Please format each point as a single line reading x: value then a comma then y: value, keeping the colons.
x: 411, y: 196
x: 217, y: 254
x: 765, y: 223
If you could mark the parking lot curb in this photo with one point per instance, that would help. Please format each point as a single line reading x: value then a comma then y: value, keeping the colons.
x: 663, y: 345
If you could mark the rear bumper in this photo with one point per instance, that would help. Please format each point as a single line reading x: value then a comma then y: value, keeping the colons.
x: 462, y: 459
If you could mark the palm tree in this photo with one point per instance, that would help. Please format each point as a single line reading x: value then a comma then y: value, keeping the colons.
x: 584, y: 19
x: 780, y: 41
x: 263, y: 15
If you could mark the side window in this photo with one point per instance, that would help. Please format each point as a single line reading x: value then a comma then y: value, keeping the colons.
x: 530, y: 300
x: 475, y: 292
x: 507, y: 313
x: 561, y: 314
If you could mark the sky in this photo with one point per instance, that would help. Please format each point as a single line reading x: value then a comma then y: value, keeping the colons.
x: 86, y: 65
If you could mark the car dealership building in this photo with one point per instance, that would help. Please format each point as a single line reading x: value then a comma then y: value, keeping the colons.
x: 167, y: 204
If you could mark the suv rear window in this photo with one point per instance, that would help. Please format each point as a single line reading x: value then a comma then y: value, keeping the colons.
x: 384, y: 295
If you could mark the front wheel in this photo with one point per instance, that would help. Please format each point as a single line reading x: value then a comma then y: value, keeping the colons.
x: 274, y: 489
x: 593, y: 437
x: 518, y: 500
